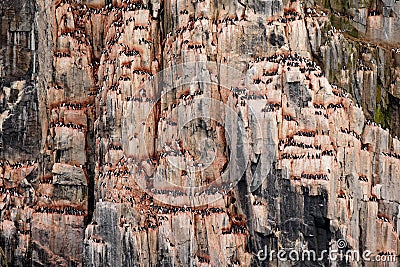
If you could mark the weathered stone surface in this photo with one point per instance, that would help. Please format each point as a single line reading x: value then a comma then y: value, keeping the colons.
x: 264, y: 138
x: 54, y: 239
x: 68, y: 175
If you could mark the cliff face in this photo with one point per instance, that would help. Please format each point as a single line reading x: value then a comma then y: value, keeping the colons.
x: 191, y: 133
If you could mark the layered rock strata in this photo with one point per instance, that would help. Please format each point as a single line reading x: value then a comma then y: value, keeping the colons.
x: 197, y: 133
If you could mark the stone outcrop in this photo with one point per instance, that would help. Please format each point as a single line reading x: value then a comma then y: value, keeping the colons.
x: 197, y: 133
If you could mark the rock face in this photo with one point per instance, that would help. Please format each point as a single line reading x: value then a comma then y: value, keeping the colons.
x: 198, y: 133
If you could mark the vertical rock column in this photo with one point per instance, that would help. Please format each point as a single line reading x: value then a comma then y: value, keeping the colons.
x: 66, y: 83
